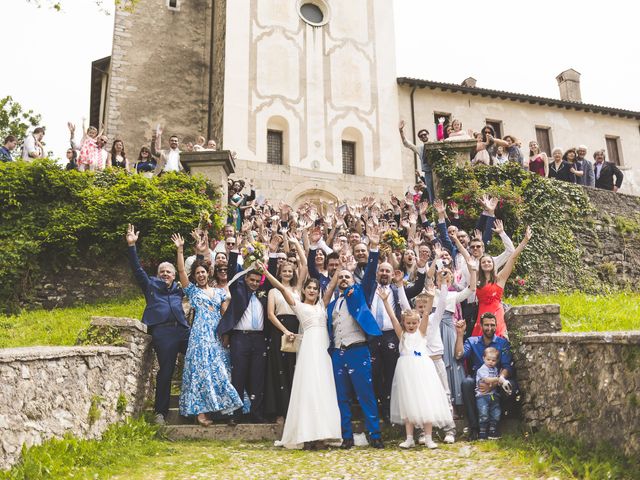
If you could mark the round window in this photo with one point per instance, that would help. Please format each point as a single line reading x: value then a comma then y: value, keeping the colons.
x: 314, y: 12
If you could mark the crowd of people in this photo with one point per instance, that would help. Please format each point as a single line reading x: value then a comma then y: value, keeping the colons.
x: 570, y: 165
x: 300, y: 315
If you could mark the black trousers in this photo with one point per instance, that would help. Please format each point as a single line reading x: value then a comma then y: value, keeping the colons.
x: 384, y: 356
x: 248, y: 366
x: 470, y: 315
x: 167, y: 341
x: 507, y: 402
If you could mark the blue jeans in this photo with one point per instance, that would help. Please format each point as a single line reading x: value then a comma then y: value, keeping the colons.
x: 488, y: 412
x: 428, y: 181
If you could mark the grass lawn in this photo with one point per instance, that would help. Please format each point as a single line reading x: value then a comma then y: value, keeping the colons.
x: 60, y: 326
x: 589, y: 313
x: 580, y: 313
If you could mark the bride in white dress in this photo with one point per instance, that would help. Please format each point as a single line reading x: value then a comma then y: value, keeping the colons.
x: 313, y: 413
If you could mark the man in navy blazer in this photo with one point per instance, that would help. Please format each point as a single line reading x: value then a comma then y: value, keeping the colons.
x: 246, y: 323
x: 164, y: 318
x: 349, y: 323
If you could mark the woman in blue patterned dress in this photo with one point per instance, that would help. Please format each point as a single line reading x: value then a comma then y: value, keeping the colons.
x: 206, y: 380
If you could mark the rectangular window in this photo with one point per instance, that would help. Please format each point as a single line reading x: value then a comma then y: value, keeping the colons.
x: 613, y: 149
x: 274, y: 147
x: 173, y: 4
x: 349, y: 158
x: 543, y: 138
x: 496, y: 125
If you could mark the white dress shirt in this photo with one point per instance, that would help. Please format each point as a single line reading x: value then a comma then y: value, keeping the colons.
x: 173, y: 161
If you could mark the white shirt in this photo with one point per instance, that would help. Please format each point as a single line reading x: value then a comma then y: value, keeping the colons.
x: 29, y: 147
x: 173, y: 161
x: 433, y: 337
x: 378, y: 306
x: 246, y: 322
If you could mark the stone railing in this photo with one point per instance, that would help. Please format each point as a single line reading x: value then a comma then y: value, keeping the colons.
x: 50, y: 391
x: 583, y: 385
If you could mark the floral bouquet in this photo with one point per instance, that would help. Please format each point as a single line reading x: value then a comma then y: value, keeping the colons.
x: 252, y: 253
x: 391, y: 241
x: 205, y: 221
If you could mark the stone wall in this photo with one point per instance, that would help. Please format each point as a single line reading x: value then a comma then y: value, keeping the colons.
x: 614, y: 254
x: 50, y: 391
x: 81, y: 282
x: 583, y: 385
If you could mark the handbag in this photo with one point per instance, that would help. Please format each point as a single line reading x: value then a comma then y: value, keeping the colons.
x: 291, y: 346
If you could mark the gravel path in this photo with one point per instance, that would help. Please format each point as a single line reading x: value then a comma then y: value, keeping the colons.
x: 216, y: 460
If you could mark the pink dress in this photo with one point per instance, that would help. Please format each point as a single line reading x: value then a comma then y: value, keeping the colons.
x: 490, y: 300
x: 537, y: 166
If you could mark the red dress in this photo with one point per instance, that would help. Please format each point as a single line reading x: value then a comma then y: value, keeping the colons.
x: 537, y: 166
x: 490, y: 300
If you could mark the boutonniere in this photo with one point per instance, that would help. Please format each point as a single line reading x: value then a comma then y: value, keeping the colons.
x: 262, y: 294
x: 350, y: 292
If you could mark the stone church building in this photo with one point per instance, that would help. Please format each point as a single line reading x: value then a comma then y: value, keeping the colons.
x: 306, y: 93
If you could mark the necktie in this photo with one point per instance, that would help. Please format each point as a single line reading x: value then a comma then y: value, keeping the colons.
x: 379, y: 311
x: 255, y: 312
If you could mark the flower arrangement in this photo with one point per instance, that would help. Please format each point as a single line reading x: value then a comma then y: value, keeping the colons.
x: 253, y: 252
x: 392, y: 240
x: 205, y: 222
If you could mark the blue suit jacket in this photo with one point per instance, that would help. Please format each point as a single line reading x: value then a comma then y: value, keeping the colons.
x: 240, y: 296
x: 356, y: 298
x: 164, y: 304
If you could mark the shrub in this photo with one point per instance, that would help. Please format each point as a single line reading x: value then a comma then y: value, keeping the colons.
x: 555, y: 210
x: 51, y: 217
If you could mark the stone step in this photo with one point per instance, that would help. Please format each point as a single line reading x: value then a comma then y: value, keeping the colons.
x: 245, y: 432
x: 174, y: 400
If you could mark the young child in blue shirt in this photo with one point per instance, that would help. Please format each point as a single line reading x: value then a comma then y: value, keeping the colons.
x: 488, y: 401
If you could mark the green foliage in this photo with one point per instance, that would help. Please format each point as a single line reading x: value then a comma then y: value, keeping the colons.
x: 627, y: 227
x: 61, y: 325
x: 121, y: 445
x: 555, y: 210
x: 581, y: 312
x: 14, y: 120
x: 94, y: 409
x: 52, y: 216
x: 121, y: 404
x: 556, y: 453
x: 100, y: 335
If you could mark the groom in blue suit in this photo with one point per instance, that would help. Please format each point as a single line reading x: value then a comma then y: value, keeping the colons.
x: 349, y: 323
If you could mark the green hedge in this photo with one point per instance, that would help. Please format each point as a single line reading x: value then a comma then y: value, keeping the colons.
x: 556, y: 211
x: 50, y: 217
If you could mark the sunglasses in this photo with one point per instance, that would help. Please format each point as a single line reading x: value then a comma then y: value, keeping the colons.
x: 223, y: 270
x: 475, y: 246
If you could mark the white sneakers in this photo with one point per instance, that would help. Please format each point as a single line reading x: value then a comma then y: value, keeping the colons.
x: 408, y: 443
x: 427, y: 441
x: 449, y: 438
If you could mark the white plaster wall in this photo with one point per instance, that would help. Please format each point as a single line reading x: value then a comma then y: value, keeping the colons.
x: 569, y: 128
x: 321, y: 80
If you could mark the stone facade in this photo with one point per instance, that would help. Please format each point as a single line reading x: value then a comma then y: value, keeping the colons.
x: 51, y: 391
x: 583, y: 385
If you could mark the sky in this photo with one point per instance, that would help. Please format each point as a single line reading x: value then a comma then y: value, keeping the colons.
x: 518, y: 46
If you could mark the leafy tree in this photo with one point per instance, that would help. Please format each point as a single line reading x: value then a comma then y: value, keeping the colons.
x: 14, y: 120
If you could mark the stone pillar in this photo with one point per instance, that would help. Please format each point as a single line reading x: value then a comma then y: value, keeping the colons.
x: 526, y: 319
x: 216, y: 165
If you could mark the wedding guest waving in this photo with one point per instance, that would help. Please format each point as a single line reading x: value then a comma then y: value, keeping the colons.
x: 164, y: 317
x: 491, y: 287
x: 313, y: 415
x: 206, y: 382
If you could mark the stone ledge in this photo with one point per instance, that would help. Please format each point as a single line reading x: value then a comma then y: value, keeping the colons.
x: 28, y: 354
x: 119, y: 322
x: 534, y: 309
x: 630, y: 337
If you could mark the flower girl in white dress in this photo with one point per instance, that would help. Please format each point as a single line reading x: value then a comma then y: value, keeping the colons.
x: 417, y: 395
x: 313, y: 415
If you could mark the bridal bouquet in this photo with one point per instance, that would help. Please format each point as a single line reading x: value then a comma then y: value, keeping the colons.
x: 251, y: 253
x: 205, y: 221
x: 391, y: 241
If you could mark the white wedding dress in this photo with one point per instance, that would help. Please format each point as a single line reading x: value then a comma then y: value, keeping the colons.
x: 313, y: 407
